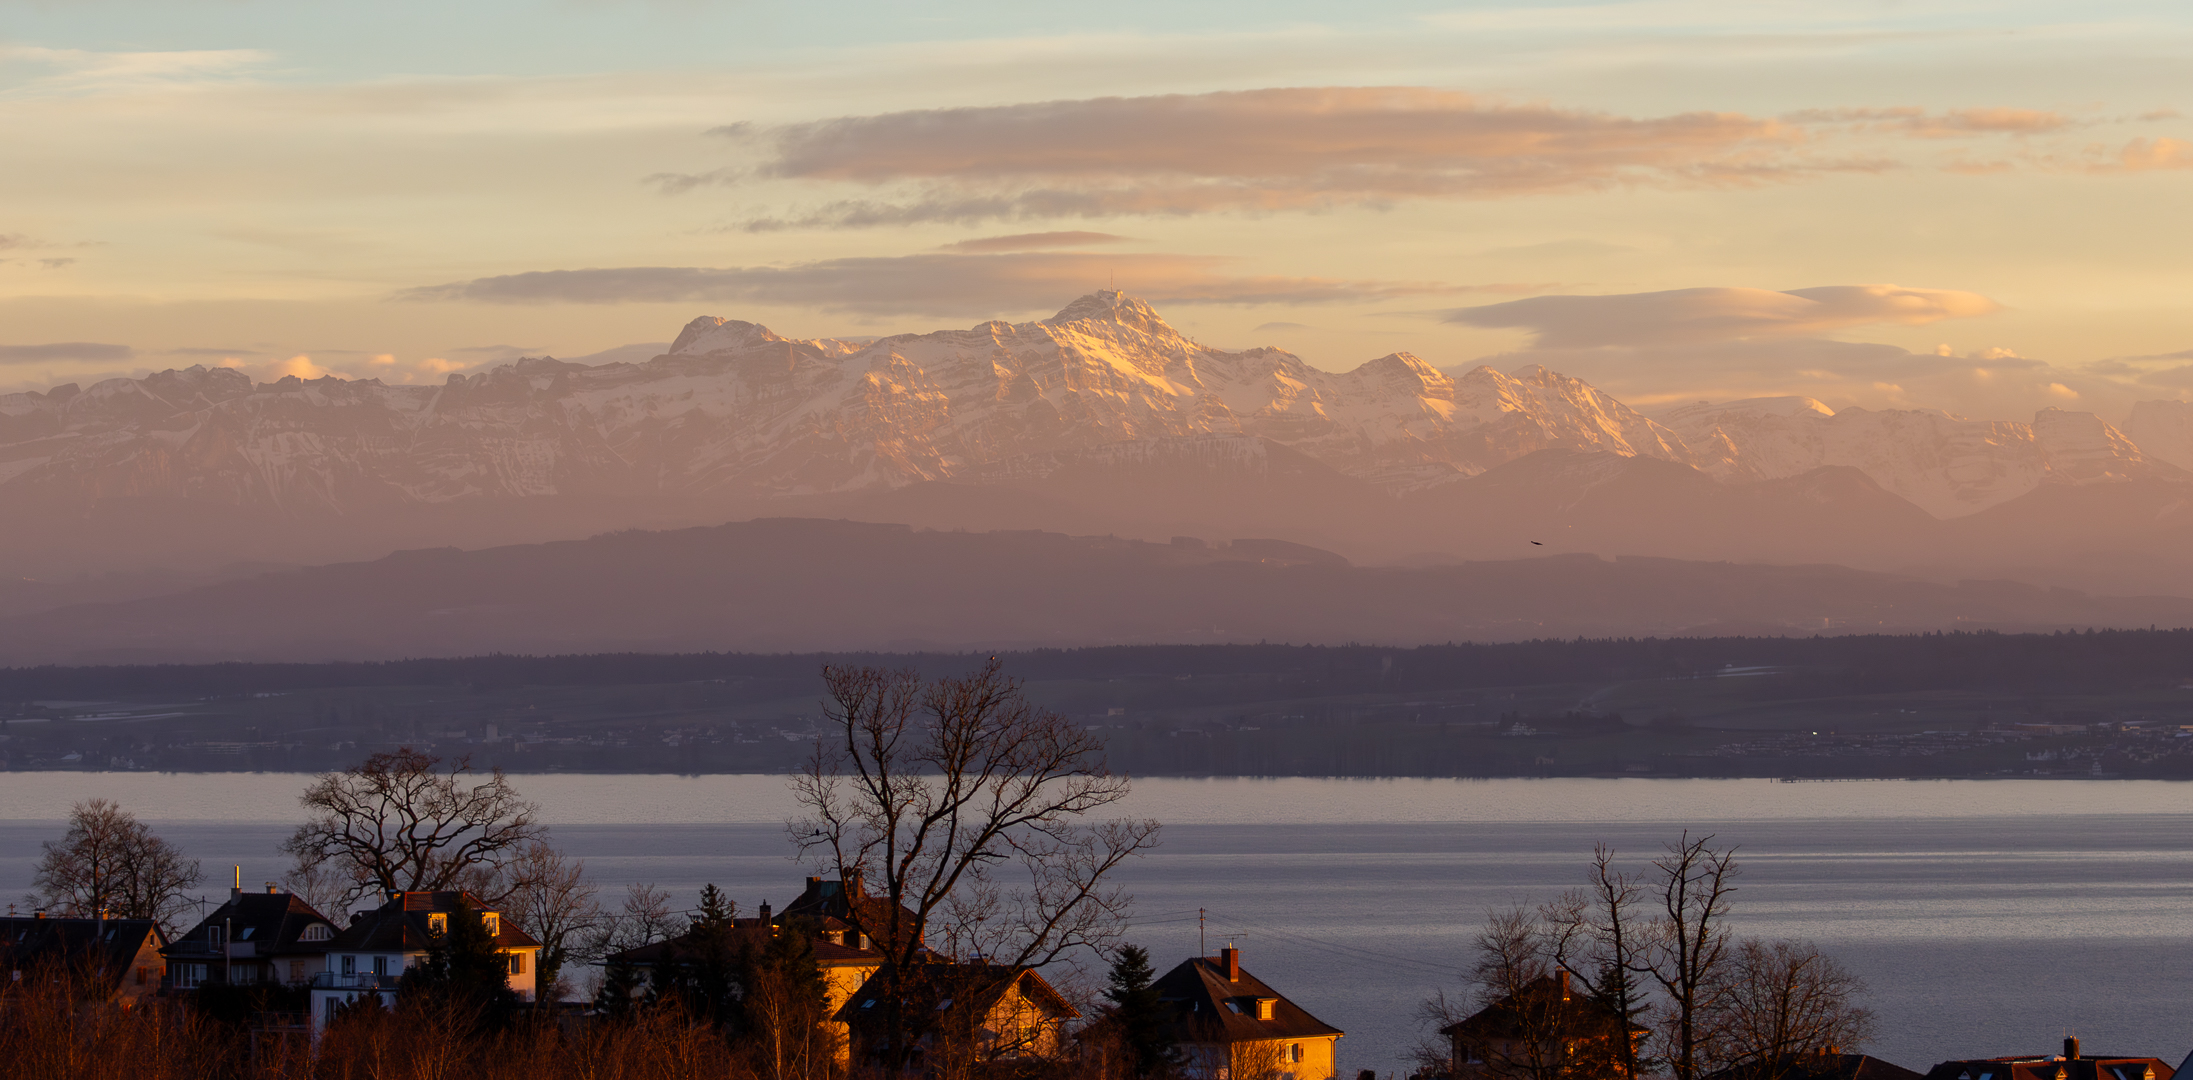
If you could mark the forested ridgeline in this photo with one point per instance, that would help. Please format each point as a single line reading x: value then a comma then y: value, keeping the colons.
x: 1853, y: 664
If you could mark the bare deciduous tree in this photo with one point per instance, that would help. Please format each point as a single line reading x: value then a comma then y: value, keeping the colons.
x: 549, y: 897
x: 1598, y: 938
x: 936, y: 793
x: 110, y: 862
x: 1687, y: 948
x: 399, y: 823
x: 1784, y: 999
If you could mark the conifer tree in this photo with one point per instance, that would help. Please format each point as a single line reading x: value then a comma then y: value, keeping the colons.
x: 1143, y: 1024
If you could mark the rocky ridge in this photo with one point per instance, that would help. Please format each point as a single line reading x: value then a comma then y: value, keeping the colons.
x: 734, y: 410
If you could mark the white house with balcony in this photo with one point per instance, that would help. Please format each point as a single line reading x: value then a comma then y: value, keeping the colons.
x: 374, y: 951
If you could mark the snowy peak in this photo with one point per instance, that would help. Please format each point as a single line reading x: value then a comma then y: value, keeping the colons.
x: 709, y: 334
x: 1112, y: 306
x: 1948, y: 465
x: 2164, y: 430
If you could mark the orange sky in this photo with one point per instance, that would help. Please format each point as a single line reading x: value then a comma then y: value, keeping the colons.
x: 1977, y: 207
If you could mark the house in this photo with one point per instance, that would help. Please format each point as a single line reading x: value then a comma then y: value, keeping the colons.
x: 844, y: 964
x: 972, y: 1012
x: 1824, y: 1065
x: 121, y: 957
x: 2070, y: 1065
x: 1232, y: 1026
x: 373, y: 952
x: 252, y: 939
x: 843, y: 908
x: 1542, y: 1029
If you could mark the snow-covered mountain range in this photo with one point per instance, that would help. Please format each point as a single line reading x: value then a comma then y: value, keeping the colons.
x: 732, y: 407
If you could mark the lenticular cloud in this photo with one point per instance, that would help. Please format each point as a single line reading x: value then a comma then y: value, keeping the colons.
x: 1258, y: 149
x: 1685, y: 316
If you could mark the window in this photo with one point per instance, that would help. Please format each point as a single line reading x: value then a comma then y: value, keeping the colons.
x: 246, y: 935
x: 1294, y: 1052
x: 493, y: 923
x: 517, y: 963
x: 296, y: 971
x: 189, y: 976
x: 331, y: 1006
x: 350, y: 965
x: 213, y: 936
x: 380, y: 965
x: 437, y: 923
x: 144, y: 975
x: 316, y: 932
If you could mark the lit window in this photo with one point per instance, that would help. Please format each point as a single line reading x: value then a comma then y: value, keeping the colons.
x: 437, y: 923
x: 517, y: 963
x: 493, y: 922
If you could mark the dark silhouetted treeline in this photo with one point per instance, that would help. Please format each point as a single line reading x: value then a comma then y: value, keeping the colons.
x: 1837, y: 665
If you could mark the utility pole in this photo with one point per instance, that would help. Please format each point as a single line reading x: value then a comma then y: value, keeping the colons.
x: 1199, y: 932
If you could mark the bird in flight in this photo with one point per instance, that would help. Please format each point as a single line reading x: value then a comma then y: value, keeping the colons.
x: 1535, y: 543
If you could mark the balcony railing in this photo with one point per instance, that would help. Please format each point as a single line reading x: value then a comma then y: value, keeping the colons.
x: 364, y: 980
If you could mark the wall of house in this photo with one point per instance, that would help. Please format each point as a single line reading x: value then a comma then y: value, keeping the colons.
x: 141, y: 980
x: 1021, y: 1028
x: 1275, y: 1057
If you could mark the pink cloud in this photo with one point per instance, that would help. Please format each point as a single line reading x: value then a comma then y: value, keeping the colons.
x: 1685, y: 316
x: 1259, y: 150
x: 975, y: 286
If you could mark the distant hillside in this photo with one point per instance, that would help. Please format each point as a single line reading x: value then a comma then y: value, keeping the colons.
x: 800, y: 584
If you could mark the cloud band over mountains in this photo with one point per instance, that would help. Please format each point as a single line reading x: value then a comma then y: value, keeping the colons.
x: 1688, y: 316
x: 1308, y: 148
x: 976, y: 286
x: 1290, y: 148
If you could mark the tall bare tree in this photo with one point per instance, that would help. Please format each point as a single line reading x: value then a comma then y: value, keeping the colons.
x: 548, y: 896
x: 1783, y: 1000
x: 399, y: 822
x: 109, y: 862
x: 1688, y: 947
x: 1601, y: 941
x: 964, y: 806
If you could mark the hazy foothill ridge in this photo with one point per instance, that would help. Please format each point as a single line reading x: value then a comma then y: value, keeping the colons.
x: 794, y: 584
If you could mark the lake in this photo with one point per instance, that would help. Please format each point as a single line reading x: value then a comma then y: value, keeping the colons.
x: 1987, y: 917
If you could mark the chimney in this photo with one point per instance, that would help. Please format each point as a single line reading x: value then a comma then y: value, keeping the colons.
x: 853, y: 884
x: 1231, y: 957
x: 237, y: 893
x: 1564, y: 976
x: 812, y: 882
x: 271, y: 890
x: 765, y: 913
x: 41, y: 913
x: 2071, y: 1048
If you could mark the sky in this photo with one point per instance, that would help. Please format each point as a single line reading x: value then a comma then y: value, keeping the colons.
x: 1979, y: 207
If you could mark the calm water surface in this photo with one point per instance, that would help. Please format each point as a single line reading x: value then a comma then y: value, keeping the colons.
x: 1988, y: 917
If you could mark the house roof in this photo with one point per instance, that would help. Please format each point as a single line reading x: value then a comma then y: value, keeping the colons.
x: 845, y: 903
x: 2084, y: 1067
x: 744, y: 933
x: 934, y: 987
x: 1213, y: 1008
x: 1540, y: 1005
x: 272, y: 922
x: 1828, y: 1066
x: 113, y: 943
x: 400, y: 925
